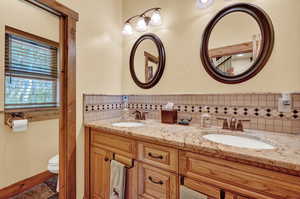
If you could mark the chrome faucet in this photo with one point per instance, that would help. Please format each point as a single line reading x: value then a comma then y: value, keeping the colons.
x: 140, y: 115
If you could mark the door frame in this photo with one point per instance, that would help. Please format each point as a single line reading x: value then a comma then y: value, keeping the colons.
x: 67, y: 116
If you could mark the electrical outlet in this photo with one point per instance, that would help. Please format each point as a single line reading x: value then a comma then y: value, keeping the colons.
x: 285, y: 103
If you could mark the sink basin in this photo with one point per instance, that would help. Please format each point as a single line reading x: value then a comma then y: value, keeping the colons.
x: 127, y: 124
x: 238, y: 141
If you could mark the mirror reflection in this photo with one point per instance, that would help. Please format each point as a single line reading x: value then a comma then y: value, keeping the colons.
x: 234, y: 44
x: 146, y: 61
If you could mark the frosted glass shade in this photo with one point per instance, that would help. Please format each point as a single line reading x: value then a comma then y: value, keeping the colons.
x: 156, y: 19
x: 204, y: 3
x: 127, y: 29
x: 141, y: 25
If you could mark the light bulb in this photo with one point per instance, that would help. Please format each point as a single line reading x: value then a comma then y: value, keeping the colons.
x: 156, y: 18
x: 127, y: 29
x: 204, y: 3
x: 141, y: 25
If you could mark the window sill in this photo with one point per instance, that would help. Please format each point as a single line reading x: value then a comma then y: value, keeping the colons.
x: 35, y: 114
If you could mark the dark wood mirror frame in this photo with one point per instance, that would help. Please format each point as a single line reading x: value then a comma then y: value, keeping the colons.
x: 267, y: 44
x: 161, y: 62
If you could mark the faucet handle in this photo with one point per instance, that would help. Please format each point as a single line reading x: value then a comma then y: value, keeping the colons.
x: 239, y: 126
x: 144, y: 115
x: 225, y: 122
x: 137, y: 114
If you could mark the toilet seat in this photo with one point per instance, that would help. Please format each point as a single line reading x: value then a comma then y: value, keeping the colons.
x: 53, y: 164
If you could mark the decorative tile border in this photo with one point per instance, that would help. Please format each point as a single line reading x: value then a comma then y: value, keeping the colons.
x: 99, y: 107
x: 261, y: 109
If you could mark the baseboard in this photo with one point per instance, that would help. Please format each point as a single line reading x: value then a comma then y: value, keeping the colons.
x: 24, y: 185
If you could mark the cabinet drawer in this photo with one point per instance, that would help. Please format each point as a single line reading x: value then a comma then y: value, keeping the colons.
x: 208, y: 190
x: 163, y: 157
x: 247, y: 180
x: 157, y: 184
x: 113, y: 143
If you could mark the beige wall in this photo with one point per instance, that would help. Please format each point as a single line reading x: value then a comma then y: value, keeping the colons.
x: 99, y: 45
x: 181, y: 34
x: 23, y: 155
x: 101, y: 69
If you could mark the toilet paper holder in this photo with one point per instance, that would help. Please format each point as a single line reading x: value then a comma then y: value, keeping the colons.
x: 15, y: 116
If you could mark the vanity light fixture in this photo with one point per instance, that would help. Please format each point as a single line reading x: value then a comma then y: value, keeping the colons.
x: 205, y: 3
x: 141, y: 22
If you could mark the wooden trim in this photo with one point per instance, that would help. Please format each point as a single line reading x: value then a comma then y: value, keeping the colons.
x: 151, y: 57
x: 35, y: 116
x: 18, y: 110
x: 56, y: 8
x: 245, y: 47
x: 24, y: 185
x: 67, y: 130
x: 87, y: 164
x: 68, y: 111
x: 26, y: 35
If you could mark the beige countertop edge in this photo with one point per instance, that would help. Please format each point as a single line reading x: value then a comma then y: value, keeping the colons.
x: 238, y: 157
x: 145, y: 138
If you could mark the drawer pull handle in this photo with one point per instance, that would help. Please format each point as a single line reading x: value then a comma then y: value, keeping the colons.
x: 159, y: 182
x: 156, y: 157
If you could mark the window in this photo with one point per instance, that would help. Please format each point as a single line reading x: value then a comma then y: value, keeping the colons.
x: 31, y: 72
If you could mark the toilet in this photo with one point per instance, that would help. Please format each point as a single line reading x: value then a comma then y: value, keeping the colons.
x: 53, y: 164
x: 53, y: 167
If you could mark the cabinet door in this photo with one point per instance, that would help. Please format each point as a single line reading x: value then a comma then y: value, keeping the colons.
x: 100, y: 173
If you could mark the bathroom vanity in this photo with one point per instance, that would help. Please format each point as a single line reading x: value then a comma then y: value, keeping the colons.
x: 161, y: 158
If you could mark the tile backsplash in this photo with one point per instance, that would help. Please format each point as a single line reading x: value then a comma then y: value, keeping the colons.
x: 99, y: 107
x: 261, y: 109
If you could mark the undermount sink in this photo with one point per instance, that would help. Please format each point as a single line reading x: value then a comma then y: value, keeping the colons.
x: 128, y: 124
x: 238, y: 141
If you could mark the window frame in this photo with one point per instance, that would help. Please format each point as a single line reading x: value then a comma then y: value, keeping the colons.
x: 13, y: 31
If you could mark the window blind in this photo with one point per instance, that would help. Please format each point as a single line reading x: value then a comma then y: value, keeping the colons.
x: 31, y: 73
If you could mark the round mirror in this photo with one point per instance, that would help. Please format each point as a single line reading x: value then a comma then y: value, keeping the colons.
x: 147, y: 61
x: 237, y: 43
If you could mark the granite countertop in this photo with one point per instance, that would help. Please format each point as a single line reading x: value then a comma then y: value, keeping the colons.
x: 285, y: 155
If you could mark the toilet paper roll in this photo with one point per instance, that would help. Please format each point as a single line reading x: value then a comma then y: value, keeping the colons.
x: 19, y: 125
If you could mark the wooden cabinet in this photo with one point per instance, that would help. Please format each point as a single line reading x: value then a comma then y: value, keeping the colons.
x: 154, y: 172
x: 160, y: 156
x: 155, y: 183
x: 210, y: 191
x: 248, y: 181
x: 116, y: 144
x: 100, y: 169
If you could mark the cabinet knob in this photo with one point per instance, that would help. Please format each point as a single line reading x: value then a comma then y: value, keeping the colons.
x: 106, y: 159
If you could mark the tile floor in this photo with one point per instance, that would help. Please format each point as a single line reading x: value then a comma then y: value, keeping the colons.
x: 46, y: 190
